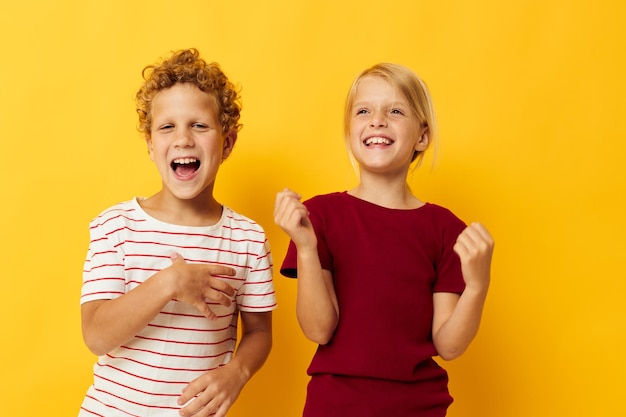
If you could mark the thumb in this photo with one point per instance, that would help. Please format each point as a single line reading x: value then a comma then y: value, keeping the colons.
x: 176, y: 257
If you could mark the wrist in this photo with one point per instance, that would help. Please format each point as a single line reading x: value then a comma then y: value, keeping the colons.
x: 307, y: 253
x: 165, y: 282
x: 476, y: 290
x: 242, y: 371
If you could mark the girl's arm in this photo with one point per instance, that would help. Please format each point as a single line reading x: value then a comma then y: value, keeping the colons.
x: 218, y: 389
x: 316, y: 303
x: 107, y: 324
x: 457, y: 318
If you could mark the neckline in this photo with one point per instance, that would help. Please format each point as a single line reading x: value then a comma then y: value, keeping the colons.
x: 137, y: 206
x: 366, y: 202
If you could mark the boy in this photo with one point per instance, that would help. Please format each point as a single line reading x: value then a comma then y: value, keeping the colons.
x: 166, y: 276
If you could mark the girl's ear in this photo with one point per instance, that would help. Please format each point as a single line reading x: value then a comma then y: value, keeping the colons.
x: 229, y: 144
x: 424, y: 140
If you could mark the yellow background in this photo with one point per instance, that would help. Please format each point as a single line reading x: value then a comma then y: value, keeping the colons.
x: 531, y: 104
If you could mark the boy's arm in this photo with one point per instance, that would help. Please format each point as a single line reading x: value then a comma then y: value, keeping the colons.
x: 457, y: 318
x: 107, y: 324
x: 218, y: 389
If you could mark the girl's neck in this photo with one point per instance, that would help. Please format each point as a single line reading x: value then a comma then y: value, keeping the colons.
x: 195, y: 212
x: 394, y: 195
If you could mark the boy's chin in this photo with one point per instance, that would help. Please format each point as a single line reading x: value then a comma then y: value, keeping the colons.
x: 190, y: 194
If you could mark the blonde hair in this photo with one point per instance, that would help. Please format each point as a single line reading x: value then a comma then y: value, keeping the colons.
x: 410, y: 85
x: 186, y: 66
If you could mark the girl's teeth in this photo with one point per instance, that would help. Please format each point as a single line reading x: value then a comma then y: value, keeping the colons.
x: 377, y: 141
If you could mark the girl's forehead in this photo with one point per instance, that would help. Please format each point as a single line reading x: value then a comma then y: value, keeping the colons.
x: 375, y: 88
x: 374, y: 81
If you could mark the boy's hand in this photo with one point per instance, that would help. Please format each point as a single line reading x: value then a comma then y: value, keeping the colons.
x: 293, y: 217
x: 196, y: 283
x: 475, y: 247
x: 216, y: 392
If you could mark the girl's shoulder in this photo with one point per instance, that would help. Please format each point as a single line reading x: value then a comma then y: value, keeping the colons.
x: 442, y: 217
x: 331, y: 202
x: 327, y: 198
x: 342, y: 202
x: 438, y: 210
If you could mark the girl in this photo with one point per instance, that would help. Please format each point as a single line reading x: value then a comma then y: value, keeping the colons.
x: 385, y: 280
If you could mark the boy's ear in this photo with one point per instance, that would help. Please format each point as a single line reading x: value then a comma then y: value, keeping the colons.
x: 150, y: 151
x: 229, y: 144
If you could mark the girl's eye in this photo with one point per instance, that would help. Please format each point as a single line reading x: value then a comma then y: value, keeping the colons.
x: 396, y: 111
x: 166, y: 127
x: 361, y: 111
x: 200, y: 126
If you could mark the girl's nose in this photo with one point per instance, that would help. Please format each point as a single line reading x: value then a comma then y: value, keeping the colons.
x: 378, y: 119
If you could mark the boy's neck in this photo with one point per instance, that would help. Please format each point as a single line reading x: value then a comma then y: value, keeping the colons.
x: 195, y: 212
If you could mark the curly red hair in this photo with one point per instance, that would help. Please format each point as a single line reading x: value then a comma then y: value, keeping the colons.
x: 186, y: 66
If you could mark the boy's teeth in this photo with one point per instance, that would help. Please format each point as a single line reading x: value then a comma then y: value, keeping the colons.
x: 185, y: 161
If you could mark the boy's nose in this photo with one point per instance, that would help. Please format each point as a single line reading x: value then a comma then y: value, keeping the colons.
x: 183, y: 139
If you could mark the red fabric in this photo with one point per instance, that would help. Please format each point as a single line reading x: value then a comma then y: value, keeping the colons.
x: 346, y: 396
x: 386, y: 265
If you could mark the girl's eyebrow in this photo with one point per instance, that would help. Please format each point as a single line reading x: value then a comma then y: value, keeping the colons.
x: 395, y: 103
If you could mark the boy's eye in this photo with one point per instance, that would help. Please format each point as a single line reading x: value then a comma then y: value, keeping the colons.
x: 165, y: 127
x: 199, y: 126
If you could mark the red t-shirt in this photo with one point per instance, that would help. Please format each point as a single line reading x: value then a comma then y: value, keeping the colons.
x: 386, y: 264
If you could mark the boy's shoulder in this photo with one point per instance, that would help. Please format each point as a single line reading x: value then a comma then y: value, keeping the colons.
x: 240, y: 221
x: 120, y: 212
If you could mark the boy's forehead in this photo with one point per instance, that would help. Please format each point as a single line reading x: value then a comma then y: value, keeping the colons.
x: 184, y: 92
x: 184, y: 98
x: 185, y: 87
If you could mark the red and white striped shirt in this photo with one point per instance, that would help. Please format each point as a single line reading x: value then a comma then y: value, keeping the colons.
x: 145, y: 376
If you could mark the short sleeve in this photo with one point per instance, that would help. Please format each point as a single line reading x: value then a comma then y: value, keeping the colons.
x: 449, y: 277
x: 257, y: 293
x: 103, y: 271
x: 289, y: 267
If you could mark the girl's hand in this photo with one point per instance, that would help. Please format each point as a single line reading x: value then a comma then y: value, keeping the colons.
x: 475, y: 248
x: 293, y: 217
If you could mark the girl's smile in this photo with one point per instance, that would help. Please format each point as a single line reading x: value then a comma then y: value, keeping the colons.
x: 377, y: 140
x: 384, y: 132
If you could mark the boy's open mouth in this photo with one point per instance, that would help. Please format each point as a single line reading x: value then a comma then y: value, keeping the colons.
x: 185, y: 166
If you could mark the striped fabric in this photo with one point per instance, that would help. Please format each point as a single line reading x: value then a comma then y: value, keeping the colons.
x: 145, y: 376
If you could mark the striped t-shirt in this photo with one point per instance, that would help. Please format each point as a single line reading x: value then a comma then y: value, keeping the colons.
x: 145, y: 376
